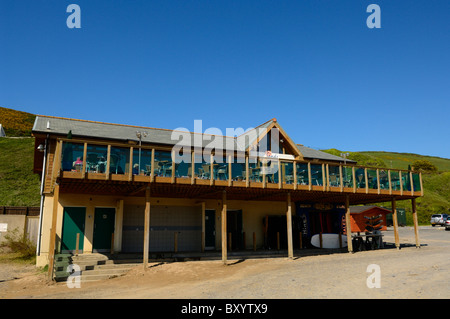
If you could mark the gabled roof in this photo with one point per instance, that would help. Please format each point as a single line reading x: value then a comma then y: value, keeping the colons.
x: 92, y: 129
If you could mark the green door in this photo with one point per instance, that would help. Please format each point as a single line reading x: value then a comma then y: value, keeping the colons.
x: 73, y: 224
x: 104, y: 221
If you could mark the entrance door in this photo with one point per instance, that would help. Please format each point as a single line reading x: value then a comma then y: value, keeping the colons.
x: 104, y: 222
x: 73, y: 224
x: 210, y: 229
x: 234, y: 226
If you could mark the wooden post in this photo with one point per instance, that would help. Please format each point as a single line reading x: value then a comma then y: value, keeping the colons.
x: 309, y: 177
x: 366, y: 180
x: 254, y: 241
x: 340, y: 240
x: 83, y: 173
x: 146, y: 226
x: 289, y: 226
x: 224, y: 227
x: 247, y: 182
x: 390, y: 182
x: 152, y: 166
x: 51, y: 249
x: 348, y: 224
x: 395, y: 221
x: 77, y: 244
x: 321, y: 240
x: 108, y: 162
x: 416, y: 224
x: 354, y: 179
x: 130, y: 166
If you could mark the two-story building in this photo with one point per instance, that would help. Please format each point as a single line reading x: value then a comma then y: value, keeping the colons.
x: 112, y: 187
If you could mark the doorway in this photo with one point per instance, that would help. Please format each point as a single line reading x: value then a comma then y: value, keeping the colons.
x: 210, y: 229
x: 234, y: 226
x: 104, y: 224
x: 73, y: 224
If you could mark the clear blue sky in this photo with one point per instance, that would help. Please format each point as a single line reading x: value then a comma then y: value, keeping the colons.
x: 314, y: 65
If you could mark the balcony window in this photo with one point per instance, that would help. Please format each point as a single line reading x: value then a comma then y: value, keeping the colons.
x: 142, y: 161
x: 334, y: 176
x: 372, y: 180
x: 202, y: 169
x: 287, y: 172
x: 316, y: 175
x: 119, y: 160
x: 360, y: 178
x: 347, y: 176
x: 72, y: 156
x: 302, y: 174
x: 96, y: 158
x: 220, y: 168
x: 406, y: 181
x: 238, y: 169
x: 163, y: 163
x: 416, y: 182
x: 395, y: 180
x: 384, y: 179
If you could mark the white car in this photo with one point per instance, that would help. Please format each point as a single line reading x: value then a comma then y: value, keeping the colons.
x: 438, y: 219
x: 447, y: 223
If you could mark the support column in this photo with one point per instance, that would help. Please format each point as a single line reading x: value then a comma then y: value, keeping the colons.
x: 289, y: 226
x: 416, y: 223
x: 348, y: 225
x: 395, y: 222
x: 224, y: 227
x: 146, y: 227
x: 51, y: 249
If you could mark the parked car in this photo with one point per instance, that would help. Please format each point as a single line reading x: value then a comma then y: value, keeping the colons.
x: 438, y: 219
x: 447, y: 223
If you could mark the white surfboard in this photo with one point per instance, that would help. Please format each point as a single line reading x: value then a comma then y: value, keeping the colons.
x: 329, y: 240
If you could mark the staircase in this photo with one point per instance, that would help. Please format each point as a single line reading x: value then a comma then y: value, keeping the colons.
x: 93, y: 267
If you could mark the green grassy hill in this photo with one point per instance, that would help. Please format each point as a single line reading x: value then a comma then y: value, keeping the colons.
x: 19, y: 186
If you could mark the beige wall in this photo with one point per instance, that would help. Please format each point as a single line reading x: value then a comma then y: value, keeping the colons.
x: 252, y: 215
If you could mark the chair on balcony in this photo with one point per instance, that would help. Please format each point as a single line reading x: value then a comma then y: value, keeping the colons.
x: 205, y: 171
x: 222, y: 172
x: 91, y: 162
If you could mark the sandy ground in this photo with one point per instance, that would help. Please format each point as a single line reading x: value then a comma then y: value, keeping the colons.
x: 405, y: 273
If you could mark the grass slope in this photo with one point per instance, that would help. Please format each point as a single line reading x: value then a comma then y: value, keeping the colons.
x: 19, y: 186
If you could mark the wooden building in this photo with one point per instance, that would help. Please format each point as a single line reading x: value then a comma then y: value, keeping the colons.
x: 135, y: 189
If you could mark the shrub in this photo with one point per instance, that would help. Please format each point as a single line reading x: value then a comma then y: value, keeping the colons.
x: 18, y: 243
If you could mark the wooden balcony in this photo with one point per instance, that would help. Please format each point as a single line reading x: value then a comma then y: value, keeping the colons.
x: 327, y: 182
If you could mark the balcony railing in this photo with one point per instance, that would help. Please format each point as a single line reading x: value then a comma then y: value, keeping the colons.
x: 119, y: 162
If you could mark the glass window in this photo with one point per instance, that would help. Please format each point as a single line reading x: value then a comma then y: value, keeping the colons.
x: 202, y: 169
x: 254, y: 170
x: 416, y: 182
x: 287, y: 172
x: 72, y: 156
x: 372, y: 178
x: 220, y: 168
x: 384, y: 179
x: 334, y: 176
x: 96, y: 158
x: 302, y: 173
x: 395, y: 180
x: 119, y: 160
x: 163, y: 163
x: 347, y: 175
x: 142, y: 161
x: 316, y: 175
x: 406, y: 181
x: 360, y: 178
x: 238, y: 169
x: 270, y: 169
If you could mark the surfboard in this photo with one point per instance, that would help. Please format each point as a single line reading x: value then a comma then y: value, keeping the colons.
x: 328, y: 240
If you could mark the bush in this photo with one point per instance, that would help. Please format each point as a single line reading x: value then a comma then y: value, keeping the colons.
x: 425, y: 166
x: 18, y: 243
